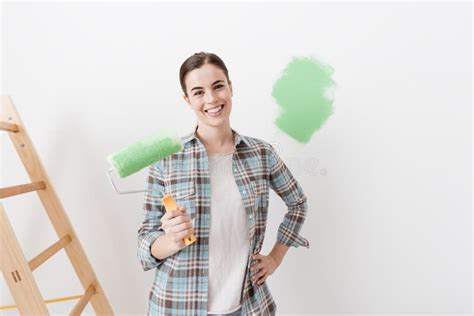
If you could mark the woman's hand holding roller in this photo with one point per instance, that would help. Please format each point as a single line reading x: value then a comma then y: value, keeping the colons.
x: 177, y: 225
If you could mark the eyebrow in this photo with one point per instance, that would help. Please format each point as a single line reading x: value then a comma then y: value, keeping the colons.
x: 217, y: 81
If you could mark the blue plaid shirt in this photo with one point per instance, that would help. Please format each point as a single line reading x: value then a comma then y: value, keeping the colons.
x: 180, y: 286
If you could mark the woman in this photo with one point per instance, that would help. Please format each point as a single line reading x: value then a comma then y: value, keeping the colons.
x: 221, y: 181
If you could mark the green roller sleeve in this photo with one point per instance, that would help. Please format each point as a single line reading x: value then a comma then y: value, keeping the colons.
x: 145, y: 152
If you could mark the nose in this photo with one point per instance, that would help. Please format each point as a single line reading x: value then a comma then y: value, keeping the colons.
x: 211, y: 97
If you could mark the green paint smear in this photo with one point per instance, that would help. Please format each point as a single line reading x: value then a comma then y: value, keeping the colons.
x: 302, y: 94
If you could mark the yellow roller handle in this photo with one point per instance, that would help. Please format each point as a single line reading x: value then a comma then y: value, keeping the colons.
x: 170, y: 205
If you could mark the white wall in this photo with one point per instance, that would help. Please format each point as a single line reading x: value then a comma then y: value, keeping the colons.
x: 389, y: 223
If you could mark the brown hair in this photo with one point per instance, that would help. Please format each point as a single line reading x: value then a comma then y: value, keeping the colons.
x: 196, y: 61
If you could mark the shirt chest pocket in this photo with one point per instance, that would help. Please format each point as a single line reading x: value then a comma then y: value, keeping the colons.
x: 259, y: 192
x: 185, y: 196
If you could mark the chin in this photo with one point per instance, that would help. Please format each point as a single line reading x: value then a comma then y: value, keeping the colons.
x: 215, y: 123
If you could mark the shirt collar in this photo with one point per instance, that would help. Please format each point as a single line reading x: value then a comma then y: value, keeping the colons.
x: 237, y: 137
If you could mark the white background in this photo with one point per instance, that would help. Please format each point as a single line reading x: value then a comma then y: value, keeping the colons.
x: 389, y: 176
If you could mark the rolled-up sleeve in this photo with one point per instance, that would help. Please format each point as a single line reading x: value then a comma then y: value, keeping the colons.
x: 153, y: 210
x: 286, y: 186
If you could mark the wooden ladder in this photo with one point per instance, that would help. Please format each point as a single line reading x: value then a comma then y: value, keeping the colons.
x: 17, y: 271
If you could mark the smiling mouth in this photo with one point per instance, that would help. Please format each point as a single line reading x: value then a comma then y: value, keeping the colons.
x: 215, y: 110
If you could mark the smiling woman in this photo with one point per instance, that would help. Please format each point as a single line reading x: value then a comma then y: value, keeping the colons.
x: 210, y: 95
x: 229, y: 175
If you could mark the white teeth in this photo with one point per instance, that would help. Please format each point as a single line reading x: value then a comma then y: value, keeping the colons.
x: 215, y: 109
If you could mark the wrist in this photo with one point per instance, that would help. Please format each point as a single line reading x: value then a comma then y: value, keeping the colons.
x: 278, y: 252
x: 176, y: 245
x: 276, y: 258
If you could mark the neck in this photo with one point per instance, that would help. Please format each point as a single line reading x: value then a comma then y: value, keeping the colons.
x: 215, y: 136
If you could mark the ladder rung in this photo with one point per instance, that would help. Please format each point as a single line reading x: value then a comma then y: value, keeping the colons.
x: 9, y: 127
x: 54, y: 300
x: 77, y: 310
x: 22, y: 188
x: 48, y: 253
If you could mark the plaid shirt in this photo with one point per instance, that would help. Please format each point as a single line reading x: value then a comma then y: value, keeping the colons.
x: 180, y: 286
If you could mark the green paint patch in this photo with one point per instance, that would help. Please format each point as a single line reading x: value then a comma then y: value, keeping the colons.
x: 303, y: 95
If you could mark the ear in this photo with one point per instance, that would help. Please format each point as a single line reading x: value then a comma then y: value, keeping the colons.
x: 186, y: 99
x: 230, y: 86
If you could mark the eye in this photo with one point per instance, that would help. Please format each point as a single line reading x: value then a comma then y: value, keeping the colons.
x: 198, y: 92
x: 219, y: 86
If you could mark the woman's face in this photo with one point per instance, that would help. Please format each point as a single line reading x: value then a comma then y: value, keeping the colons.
x: 209, y: 95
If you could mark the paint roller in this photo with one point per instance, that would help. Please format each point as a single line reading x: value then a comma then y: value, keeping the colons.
x: 143, y: 153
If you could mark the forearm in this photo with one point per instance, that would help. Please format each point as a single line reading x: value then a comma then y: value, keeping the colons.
x: 278, y: 252
x: 163, y: 247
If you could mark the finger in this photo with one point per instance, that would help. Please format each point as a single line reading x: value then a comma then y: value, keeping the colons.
x: 182, y: 227
x: 257, y: 257
x: 179, y: 219
x: 257, y: 279
x: 177, y: 212
x: 259, y: 275
x: 177, y: 237
x: 257, y: 266
x: 163, y: 222
x: 168, y: 223
x: 184, y: 233
x: 166, y: 216
x: 262, y: 279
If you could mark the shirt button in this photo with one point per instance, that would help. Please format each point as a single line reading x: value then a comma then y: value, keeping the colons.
x: 251, y: 216
x: 203, y: 272
x: 244, y: 192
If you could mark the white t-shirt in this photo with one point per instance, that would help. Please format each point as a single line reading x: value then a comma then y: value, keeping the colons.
x: 229, y: 242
